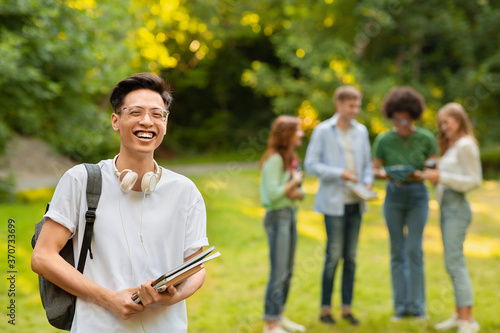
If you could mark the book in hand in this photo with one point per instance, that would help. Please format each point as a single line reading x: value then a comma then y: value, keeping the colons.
x: 181, y: 272
x: 361, y: 191
x: 399, y: 172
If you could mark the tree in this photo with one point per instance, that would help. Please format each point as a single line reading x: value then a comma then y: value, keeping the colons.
x: 56, y: 69
x: 202, y: 49
x: 444, y: 49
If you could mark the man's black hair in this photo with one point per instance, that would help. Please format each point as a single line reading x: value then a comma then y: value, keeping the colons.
x: 140, y: 81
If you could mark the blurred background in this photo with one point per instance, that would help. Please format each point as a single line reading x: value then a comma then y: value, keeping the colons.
x: 235, y: 65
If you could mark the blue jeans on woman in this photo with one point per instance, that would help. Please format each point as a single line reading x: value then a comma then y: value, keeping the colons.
x: 406, y: 208
x: 456, y: 216
x: 342, y: 238
x: 281, y: 229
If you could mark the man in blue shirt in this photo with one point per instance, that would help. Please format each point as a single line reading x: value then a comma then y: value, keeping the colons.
x: 339, y: 154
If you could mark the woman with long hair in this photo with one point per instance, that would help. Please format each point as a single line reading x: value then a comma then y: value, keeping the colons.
x: 459, y: 172
x: 279, y: 187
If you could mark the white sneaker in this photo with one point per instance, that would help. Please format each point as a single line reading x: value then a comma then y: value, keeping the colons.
x: 448, y: 323
x: 277, y: 329
x: 465, y: 326
x: 290, y: 326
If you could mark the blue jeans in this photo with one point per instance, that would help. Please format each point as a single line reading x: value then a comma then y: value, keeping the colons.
x: 342, y: 238
x: 455, y: 219
x: 406, y: 208
x: 281, y: 229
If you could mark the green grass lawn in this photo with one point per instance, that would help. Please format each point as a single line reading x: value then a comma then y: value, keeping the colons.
x: 232, y: 298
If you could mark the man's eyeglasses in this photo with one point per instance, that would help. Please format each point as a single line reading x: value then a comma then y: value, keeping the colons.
x: 157, y: 115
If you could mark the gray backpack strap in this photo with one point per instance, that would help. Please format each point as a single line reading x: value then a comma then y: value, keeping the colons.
x: 94, y: 184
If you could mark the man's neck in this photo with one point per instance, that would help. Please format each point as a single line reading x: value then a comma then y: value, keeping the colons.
x: 343, y: 123
x: 139, y: 163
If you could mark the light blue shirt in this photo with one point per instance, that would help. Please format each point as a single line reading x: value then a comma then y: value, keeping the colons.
x: 325, y: 159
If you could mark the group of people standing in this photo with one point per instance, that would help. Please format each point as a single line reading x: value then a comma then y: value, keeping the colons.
x: 340, y: 154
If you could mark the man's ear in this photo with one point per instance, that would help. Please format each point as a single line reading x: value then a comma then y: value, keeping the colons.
x: 114, y: 122
x: 337, y: 105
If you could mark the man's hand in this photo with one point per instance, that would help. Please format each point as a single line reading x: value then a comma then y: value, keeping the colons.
x: 150, y: 297
x: 121, y: 303
x: 349, y: 175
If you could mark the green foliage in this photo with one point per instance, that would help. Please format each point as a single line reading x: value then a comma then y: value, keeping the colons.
x: 202, y: 50
x: 446, y: 50
x: 490, y: 162
x: 57, y: 67
x: 235, y: 65
x: 214, y: 113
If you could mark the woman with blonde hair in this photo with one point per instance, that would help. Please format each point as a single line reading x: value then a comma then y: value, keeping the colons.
x: 459, y: 172
x: 279, y: 187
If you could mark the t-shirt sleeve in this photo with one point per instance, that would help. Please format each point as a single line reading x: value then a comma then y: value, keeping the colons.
x: 196, y: 225
x: 65, y: 204
x: 432, y: 145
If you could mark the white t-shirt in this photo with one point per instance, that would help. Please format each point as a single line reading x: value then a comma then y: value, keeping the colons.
x: 350, y: 163
x: 173, y: 228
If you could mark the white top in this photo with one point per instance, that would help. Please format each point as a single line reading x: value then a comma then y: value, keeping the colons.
x: 173, y: 228
x: 459, y: 168
x: 350, y: 163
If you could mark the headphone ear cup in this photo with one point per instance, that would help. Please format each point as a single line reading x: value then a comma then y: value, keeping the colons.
x: 148, y: 183
x: 128, y: 180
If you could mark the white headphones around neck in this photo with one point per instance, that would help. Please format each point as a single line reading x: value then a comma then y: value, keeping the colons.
x: 148, y: 182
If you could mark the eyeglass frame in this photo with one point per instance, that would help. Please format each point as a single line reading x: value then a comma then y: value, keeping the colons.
x: 403, y: 121
x: 165, y: 113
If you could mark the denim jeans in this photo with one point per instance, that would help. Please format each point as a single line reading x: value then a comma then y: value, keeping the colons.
x: 406, y: 208
x: 281, y: 229
x: 342, y: 238
x: 455, y: 219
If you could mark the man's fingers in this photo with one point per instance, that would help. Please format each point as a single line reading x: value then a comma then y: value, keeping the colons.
x: 171, y: 290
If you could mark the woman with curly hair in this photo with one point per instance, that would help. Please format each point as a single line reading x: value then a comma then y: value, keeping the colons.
x: 406, y: 147
x: 279, y: 187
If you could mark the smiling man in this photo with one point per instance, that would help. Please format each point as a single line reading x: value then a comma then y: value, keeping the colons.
x: 149, y: 220
x: 339, y: 154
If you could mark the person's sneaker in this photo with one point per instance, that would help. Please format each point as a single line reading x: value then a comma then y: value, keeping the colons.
x: 419, y: 316
x: 398, y: 317
x: 327, y: 319
x: 448, y: 324
x: 465, y: 326
x: 351, y: 319
x: 290, y: 326
x: 276, y: 329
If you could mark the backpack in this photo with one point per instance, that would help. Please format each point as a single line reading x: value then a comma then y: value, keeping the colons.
x: 59, y: 305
